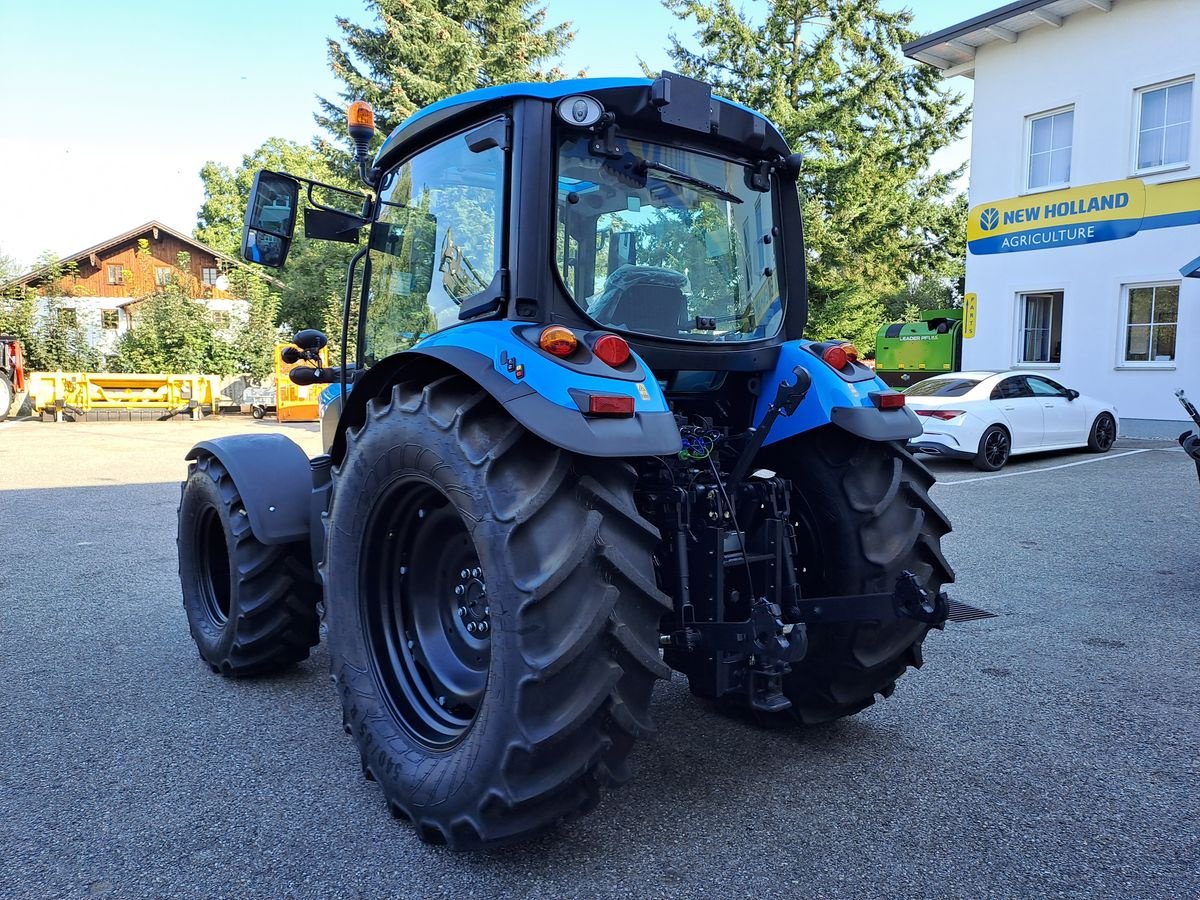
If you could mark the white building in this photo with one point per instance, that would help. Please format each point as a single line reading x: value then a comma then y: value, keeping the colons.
x: 1085, y: 196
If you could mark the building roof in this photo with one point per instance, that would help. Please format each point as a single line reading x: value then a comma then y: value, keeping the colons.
x: 953, y: 49
x: 152, y: 226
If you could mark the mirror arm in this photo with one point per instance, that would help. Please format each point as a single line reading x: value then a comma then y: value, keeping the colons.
x: 354, y: 261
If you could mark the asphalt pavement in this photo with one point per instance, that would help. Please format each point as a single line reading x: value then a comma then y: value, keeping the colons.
x: 1050, y: 751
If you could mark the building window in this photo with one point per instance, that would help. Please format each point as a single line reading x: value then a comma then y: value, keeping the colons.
x: 162, y: 275
x: 68, y: 317
x: 1164, y: 125
x: 1151, y: 317
x: 208, y: 276
x: 116, y: 275
x: 1050, y: 149
x: 1041, y: 328
x: 109, y: 319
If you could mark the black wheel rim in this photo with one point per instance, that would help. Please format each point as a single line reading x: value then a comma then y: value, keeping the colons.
x: 1105, y: 432
x: 212, y: 563
x: 995, y: 448
x: 426, y: 613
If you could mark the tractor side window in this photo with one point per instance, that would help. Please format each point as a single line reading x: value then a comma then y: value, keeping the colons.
x: 436, y: 242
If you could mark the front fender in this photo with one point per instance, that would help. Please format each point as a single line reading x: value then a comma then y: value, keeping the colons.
x: 832, y: 399
x: 274, y: 479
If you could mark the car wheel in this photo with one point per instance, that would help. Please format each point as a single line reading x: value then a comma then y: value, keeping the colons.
x: 1103, y: 434
x: 994, y: 448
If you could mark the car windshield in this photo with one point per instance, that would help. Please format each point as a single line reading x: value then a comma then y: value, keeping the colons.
x: 942, y: 387
x: 666, y: 242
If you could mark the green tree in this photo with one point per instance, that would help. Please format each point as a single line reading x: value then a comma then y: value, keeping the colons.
x: 46, y: 324
x: 920, y: 293
x: 173, y: 333
x: 314, y: 268
x: 831, y: 75
x: 420, y: 51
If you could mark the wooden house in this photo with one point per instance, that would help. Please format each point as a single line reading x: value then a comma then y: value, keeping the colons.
x: 101, y: 288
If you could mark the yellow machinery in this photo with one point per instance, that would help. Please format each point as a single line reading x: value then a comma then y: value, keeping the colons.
x: 293, y: 402
x: 93, y: 396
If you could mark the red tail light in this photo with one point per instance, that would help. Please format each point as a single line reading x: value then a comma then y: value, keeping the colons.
x: 836, y: 357
x: 887, y: 399
x: 604, y: 405
x: 611, y: 349
x: 944, y: 414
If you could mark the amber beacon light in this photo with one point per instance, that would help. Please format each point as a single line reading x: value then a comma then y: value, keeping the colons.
x: 360, y: 123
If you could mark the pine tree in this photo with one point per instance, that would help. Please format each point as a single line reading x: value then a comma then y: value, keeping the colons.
x: 421, y: 51
x: 831, y: 76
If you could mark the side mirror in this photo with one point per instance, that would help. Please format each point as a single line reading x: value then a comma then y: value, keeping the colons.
x: 270, y: 219
x: 1072, y: 394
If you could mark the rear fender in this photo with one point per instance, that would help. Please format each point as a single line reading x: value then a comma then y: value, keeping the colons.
x: 537, y: 389
x: 274, y: 479
x: 832, y: 399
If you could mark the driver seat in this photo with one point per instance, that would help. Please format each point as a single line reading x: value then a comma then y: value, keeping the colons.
x: 645, y: 299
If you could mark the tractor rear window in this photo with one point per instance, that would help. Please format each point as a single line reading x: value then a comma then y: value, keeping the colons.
x: 942, y: 387
x: 666, y: 242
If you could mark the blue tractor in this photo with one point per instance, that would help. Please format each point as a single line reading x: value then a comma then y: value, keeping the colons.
x: 577, y: 442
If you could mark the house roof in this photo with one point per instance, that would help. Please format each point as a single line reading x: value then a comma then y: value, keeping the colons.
x: 953, y: 49
x: 152, y: 226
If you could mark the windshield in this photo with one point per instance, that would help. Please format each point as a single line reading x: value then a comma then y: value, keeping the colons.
x: 666, y: 242
x: 942, y: 387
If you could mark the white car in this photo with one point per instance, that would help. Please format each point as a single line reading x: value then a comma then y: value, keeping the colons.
x: 987, y: 417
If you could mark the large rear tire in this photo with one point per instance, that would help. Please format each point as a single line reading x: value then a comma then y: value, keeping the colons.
x: 863, y: 515
x: 492, y: 616
x: 251, y: 607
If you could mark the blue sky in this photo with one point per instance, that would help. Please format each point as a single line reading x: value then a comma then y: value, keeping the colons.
x: 108, y: 110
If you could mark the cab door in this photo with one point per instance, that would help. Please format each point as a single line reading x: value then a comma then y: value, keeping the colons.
x: 1022, y: 410
x: 1064, y: 420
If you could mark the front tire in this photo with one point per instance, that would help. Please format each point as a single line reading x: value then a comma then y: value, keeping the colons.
x: 251, y: 607
x: 446, y: 513
x: 1103, y: 434
x: 863, y: 515
x: 995, y: 445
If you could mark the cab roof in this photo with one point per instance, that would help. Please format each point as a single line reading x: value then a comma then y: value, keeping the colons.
x: 541, y: 90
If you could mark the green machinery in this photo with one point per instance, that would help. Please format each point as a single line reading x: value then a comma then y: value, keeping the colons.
x: 908, y: 352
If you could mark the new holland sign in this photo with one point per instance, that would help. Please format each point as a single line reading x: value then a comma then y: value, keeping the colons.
x: 1083, y: 215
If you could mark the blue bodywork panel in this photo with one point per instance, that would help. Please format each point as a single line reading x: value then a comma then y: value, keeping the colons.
x: 541, y: 373
x: 829, y: 390
x: 554, y: 90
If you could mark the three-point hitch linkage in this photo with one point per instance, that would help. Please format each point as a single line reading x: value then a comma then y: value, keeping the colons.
x: 740, y: 619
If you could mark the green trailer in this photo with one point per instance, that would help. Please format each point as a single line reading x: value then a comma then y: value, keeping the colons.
x: 908, y: 352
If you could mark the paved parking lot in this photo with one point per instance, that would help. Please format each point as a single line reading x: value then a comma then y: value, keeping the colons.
x: 1053, y: 750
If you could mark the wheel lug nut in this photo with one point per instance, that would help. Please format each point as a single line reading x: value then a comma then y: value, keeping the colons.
x: 460, y: 590
x: 462, y: 612
x: 463, y: 574
x: 483, y: 626
x: 475, y: 572
x: 441, y: 701
x: 471, y: 627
